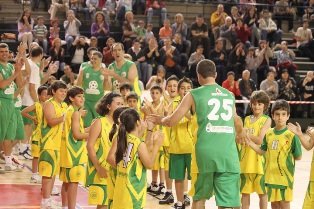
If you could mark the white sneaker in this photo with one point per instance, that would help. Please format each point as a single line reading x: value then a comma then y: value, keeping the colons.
x: 26, y: 154
x: 11, y: 167
x: 35, y: 179
x: 77, y: 206
x: 55, y: 191
x: 51, y: 204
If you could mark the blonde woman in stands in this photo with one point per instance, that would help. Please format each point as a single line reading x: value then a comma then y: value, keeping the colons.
x: 25, y: 25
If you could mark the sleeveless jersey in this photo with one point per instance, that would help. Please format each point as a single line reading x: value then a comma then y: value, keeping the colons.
x: 6, y: 72
x: 181, y: 136
x: 130, y: 187
x: 281, y: 147
x: 102, y: 147
x: 92, y: 83
x: 215, y: 147
x: 18, y: 102
x: 36, y: 135
x: 250, y: 161
x: 312, y: 169
x: 51, y: 136
x: 73, y: 152
x: 123, y: 72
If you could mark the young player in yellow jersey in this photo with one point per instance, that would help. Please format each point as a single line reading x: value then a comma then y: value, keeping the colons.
x: 132, y: 101
x: 50, y: 142
x: 73, y: 147
x: 253, y: 165
x: 308, y: 145
x: 281, y: 148
x: 98, y: 146
x: 42, y: 93
x: 132, y: 157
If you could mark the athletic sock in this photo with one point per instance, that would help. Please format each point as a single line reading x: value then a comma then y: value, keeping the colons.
x: 179, y: 203
x: 169, y: 190
x: 45, y: 201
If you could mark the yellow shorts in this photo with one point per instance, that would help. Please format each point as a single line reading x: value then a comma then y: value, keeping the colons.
x: 97, y: 195
x: 309, y: 196
x: 35, y: 149
x: 277, y: 194
x: 166, y: 158
x: 49, y: 163
x: 76, y: 174
x: 251, y: 183
x: 159, y: 161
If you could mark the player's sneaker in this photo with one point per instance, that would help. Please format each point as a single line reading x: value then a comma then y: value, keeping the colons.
x: 187, y: 200
x: 161, y: 189
x: 26, y: 154
x: 167, y: 199
x: 176, y: 206
x: 11, y: 167
x: 55, y: 191
x: 35, y: 179
x: 153, y: 188
x: 51, y: 204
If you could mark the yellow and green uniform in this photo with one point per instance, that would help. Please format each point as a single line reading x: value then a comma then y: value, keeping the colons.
x: 36, y: 135
x: 281, y: 147
x: 252, y: 165
x: 73, y: 152
x: 18, y: 117
x: 50, y: 143
x: 215, y: 164
x: 309, y: 196
x: 97, y: 185
x: 93, y: 85
x: 130, y: 187
x: 123, y: 72
x: 7, y: 129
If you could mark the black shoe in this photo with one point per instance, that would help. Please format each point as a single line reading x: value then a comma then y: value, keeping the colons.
x: 187, y: 200
x: 161, y: 189
x: 167, y: 199
x: 153, y: 188
x: 179, y: 207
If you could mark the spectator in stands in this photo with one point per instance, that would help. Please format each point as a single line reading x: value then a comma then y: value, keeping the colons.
x: 149, y: 32
x: 100, y: 29
x: 270, y: 86
x: 92, y: 6
x: 199, y: 35
x: 57, y: 55
x: 152, y: 56
x: 57, y: 5
x: 156, y: 7
x: 165, y: 32
x: 40, y: 33
x: 217, y: 19
x: 71, y: 26
x: 123, y: 7
x: 25, y: 27
x: 268, y: 29
x: 284, y: 58
x: 236, y: 60
x: 228, y: 33
x: 181, y: 27
x: 305, y: 42
x: 282, y: 11
x: 139, y: 7
x: 138, y: 58
x: 78, y: 53
x: 246, y: 86
x: 110, y: 10
x: 54, y: 30
x: 194, y: 59
x: 251, y: 20
x: 107, y: 56
x: 307, y: 93
x: 69, y: 77
x: 235, y: 15
x: 93, y: 42
x: 220, y: 58
x: 253, y: 62
x: 170, y: 59
x: 80, y: 6
x: 158, y: 79
x: 129, y: 33
x: 309, y: 10
x: 287, y: 86
x: 141, y: 32
x: 265, y: 53
x: 35, y: 4
x: 178, y: 43
x: 243, y: 32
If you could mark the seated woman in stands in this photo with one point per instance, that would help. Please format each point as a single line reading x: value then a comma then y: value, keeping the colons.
x: 25, y: 26
x: 57, y: 55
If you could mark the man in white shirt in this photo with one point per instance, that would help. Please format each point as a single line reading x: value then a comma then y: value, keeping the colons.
x: 269, y: 29
x: 71, y: 26
x: 305, y: 40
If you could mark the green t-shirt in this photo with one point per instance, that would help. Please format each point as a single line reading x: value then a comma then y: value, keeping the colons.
x: 92, y: 83
x: 6, y: 72
x: 123, y: 72
x: 215, y: 147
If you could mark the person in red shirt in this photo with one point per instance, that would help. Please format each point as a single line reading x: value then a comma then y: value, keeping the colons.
x: 243, y: 31
x: 165, y: 32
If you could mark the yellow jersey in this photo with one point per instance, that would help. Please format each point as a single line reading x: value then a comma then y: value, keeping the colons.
x: 73, y: 152
x: 36, y: 135
x: 130, y: 185
x: 102, y: 147
x: 51, y: 136
x: 250, y: 161
x: 281, y: 147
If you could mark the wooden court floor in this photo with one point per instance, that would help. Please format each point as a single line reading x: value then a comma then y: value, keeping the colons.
x: 17, y: 193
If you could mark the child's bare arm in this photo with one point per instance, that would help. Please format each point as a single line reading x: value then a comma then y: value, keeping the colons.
x: 259, y: 139
x: 77, y: 134
x: 296, y: 129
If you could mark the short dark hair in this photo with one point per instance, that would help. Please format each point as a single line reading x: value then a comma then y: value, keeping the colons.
x: 72, y: 92
x: 4, y: 45
x: 58, y: 85
x: 116, y: 44
x: 98, y: 54
x: 280, y: 104
x: 206, y: 68
x: 91, y: 49
x: 172, y: 78
x: 132, y: 95
x: 102, y: 104
x: 184, y: 80
x: 36, y: 51
x: 260, y: 97
x: 125, y: 86
x: 41, y: 89
x: 156, y: 87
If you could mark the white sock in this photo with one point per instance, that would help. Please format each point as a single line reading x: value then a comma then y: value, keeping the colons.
x: 8, y: 160
x: 45, y: 201
x: 65, y: 207
x: 179, y: 203
x: 169, y: 190
x: 22, y: 147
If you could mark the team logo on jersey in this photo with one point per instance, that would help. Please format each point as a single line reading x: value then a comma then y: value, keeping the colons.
x: 274, y: 145
x: 92, y: 88
x: 10, y: 89
x: 123, y: 74
x: 116, y: 84
x: 218, y: 93
x: 218, y: 129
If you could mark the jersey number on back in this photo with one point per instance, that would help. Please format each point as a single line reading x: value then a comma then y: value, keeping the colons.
x: 127, y: 154
x: 225, y: 114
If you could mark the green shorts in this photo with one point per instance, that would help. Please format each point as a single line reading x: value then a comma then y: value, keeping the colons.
x: 91, y: 113
x: 8, y: 120
x: 179, y: 166
x: 225, y: 186
x: 19, y: 126
x: 27, y: 121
